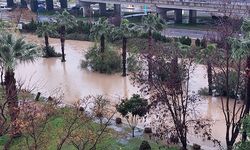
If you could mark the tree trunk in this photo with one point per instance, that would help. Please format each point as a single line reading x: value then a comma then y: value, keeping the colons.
x: 133, y: 131
x: 46, y: 39
x: 209, y: 77
x: 62, y: 37
x: 150, y: 40
x: 247, y: 98
x: 10, y: 3
x: 229, y: 146
x: 183, y: 143
x: 23, y: 4
x: 64, y: 4
x: 124, y: 56
x: 2, y: 82
x: 11, y: 94
x: 49, y: 5
x: 102, y: 43
x: 34, y: 5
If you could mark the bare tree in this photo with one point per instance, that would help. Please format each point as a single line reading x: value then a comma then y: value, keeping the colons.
x: 172, y: 103
x: 79, y: 128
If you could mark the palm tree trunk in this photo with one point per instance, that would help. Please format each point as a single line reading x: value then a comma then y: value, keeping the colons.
x: 23, y: 4
x: 124, y: 56
x: 62, y: 37
x: 150, y: 40
x: 46, y: 39
x: 64, y: 4
x: 102, y: 43
x: 11, y: 94
x: 49, y: 5
x: 183, y: 143
x: 209, y: 77
x: 133, y: 131
x: 247, y: 98
x: 10, y: 3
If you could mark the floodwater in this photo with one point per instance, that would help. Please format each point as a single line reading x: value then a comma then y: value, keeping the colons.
x: 50, y: 76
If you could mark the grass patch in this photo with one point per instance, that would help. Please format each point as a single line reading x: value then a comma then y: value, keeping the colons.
x: 109, y: 142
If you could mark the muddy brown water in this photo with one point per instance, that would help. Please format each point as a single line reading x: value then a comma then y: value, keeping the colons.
x: 51, y: 76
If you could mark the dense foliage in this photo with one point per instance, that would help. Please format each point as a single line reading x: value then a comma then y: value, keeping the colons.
x: 135, y: 106
x: 50, y: 52
x: 185, y: 40
x: 220, y: 85
x: 107, y: 62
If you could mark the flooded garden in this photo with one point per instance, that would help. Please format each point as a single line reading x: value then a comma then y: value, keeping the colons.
x: 50, y: 76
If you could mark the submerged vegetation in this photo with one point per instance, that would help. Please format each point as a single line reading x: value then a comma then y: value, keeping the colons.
x: 160, y: 67
x: 108, y: 61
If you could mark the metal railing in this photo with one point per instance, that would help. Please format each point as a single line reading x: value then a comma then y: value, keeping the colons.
x: 226, y: 6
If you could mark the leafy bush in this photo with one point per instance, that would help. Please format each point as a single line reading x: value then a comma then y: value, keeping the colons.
x: 245, y: 127
x: 80, y: 27
x: 136, y: 105
x: 203, y: 91
x: 32, y: 26
x: 50, y: 52
x: 145, y: 146
x: 185, y: 40
x: 220, y: 85
x: 132, y: 62
x: 72, y: 36
x: 77, y: 36
x: 157, y: 37
x: 107, y: 62
x: 133, y: 108
x: 197, y: 42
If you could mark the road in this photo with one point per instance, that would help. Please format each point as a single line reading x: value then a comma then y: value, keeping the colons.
x: 194, y: 34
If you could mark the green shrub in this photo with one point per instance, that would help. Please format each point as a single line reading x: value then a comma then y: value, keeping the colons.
x: 203, y: 91
x: 50, y: 52
x: 81, y: 27
x: 203, y: 43
x: 107, y: 62
x: 220, y: 85
x: 145, y: 146
x: 197, y: 42
x: 32, y: 26
x: 77, y: 36
x: 157, y: 37
x: 72, y: 36
x: 185, y: 40
x: 132, y: 62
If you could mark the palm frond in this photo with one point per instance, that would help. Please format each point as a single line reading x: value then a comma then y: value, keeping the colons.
x: 13, y: 49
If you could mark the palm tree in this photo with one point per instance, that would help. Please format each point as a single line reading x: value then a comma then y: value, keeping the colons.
x: 64, y: 21
x: 208, y: 51
x: 101, y: 29
x: 10, y: 3
x: 245, y: 44
x: 49, y: 5
x: 64, y: 4
x: 45, y: 30
x: 124, y: 31
x: 13, y: 49
x: 151, y: 24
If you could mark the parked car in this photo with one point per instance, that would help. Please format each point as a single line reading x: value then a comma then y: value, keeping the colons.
x: 4, y: 7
